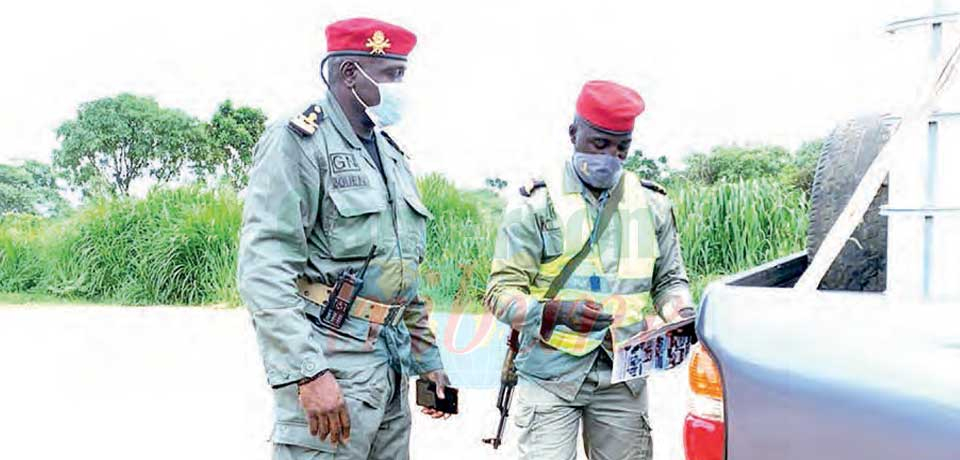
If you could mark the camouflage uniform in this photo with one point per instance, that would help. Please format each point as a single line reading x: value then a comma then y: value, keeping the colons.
x: 557, y: 389
x: 315, y: 204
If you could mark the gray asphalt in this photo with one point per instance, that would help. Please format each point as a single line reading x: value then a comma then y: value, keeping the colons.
x: 187, y: 383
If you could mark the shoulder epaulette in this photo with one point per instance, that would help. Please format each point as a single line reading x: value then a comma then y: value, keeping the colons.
x: 307, y: 122
x: 530, y: 187
x: 393, y: 143
x: 653, y: 186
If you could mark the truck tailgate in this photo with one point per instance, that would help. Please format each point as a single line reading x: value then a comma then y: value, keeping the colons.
x: 834, y: 375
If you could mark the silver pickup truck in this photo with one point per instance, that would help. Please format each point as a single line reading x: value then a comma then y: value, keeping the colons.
x: 868, y: 365
x: 834, y: 375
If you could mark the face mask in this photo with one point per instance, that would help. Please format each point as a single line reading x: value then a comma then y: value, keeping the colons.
x: 598, y: 170
x: 390, y: 109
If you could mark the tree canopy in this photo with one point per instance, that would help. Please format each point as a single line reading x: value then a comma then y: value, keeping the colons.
x: 231, y: 136
x: 30, y: 189
x: 655, y: 169
x: 116, y: 140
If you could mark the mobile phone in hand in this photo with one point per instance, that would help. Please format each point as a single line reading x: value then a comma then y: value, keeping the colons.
x: 427, y: 397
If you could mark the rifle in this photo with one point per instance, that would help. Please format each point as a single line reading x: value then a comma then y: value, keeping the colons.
x: 508, y: 381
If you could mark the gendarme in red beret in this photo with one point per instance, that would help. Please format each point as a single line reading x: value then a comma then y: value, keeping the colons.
x: 609, y: 106
x: 369, y: 37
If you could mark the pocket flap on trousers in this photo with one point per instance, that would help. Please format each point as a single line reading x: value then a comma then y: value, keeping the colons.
x: 296, y: 434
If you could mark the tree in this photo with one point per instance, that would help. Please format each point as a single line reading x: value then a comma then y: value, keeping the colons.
x: 30, y: 189
x: 117, y: 140
x: 231, y: 136
x: 800, y: 172
x: 496, y: 183
x: 732, y: 162
x: 647, y: 168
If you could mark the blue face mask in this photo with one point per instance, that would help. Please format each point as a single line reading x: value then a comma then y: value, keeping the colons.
x: 392, y: 101
x: 598, y: 170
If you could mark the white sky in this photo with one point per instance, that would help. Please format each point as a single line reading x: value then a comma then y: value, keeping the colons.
x: 494, y: 82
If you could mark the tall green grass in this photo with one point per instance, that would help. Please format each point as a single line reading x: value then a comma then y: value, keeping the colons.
x: 22, y: 249
x: 173, y: 247
x: 179, y: 246
x: 460, y: 242
x: 732, y: 226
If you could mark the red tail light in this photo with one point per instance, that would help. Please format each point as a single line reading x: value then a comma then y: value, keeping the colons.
x: 704, y: 429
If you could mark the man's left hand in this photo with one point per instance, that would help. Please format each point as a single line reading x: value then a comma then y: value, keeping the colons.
x: 439, y: 377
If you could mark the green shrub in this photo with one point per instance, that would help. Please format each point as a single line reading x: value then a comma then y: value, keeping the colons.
x: 799, y: 174
x: 731, y: 163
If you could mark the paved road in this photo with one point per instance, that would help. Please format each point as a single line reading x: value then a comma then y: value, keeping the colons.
x: 187, y: 383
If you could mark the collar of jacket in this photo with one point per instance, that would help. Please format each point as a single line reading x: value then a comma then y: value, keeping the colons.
x: 571, y: 183
x: 332, y: 108
x: 343, y: 126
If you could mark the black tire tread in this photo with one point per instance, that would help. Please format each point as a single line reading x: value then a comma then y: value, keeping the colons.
x: 844, y: 159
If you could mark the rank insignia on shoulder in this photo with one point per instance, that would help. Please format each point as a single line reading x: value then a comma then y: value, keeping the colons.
x: 653, y: 186
x: 307, y: 122
x: 527, y: 189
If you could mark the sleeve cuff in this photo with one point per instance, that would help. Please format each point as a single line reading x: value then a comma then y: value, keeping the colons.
x: 548, y: 320
x: 288, y: 373
x: 532, y: 323
x: 427, y: 361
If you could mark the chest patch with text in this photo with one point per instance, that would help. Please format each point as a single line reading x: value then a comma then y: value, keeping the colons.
x: 350, y: 181
x: 343, y: 162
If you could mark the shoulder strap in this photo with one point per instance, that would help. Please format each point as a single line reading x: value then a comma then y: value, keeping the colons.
x: 513, y: 343
x: 606, y: 213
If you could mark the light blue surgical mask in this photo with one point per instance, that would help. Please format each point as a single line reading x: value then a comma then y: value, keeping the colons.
x: 598, y: 170
x: 392, y: 102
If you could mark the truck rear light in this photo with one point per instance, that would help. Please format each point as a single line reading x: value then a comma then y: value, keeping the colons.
x: 706, y: 388
x: 703, y: 439
x: 704, y: 429
x: 704, y: 376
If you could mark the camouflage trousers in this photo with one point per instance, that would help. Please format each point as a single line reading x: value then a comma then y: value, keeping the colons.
x: 615, y: 422
x: 379, y: 411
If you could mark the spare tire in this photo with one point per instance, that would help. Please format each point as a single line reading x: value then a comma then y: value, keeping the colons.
x: 844, y: 159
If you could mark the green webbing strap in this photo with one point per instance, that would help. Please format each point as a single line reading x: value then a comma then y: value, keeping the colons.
x: 609, y: 206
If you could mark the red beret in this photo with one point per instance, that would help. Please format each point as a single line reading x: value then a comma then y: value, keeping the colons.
x: 369, y: 37
x: 609, y: 106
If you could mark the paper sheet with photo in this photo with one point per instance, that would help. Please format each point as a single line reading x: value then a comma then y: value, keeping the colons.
x: 653, y: 351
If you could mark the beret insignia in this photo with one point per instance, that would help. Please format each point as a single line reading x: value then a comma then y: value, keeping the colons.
x: 378, y: 43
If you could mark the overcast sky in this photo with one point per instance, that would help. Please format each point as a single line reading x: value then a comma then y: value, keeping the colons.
x: 493, y: 82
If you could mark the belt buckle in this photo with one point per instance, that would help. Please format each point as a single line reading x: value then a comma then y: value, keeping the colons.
x: 393, y: 316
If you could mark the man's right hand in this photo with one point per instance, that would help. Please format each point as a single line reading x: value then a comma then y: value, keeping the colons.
x: 326, y: 409
x: 582, y: 316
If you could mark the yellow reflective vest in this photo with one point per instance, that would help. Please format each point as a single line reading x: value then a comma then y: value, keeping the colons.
x: 624, y: 294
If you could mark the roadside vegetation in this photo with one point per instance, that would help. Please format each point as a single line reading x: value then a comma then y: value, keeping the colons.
x: 735, y: 207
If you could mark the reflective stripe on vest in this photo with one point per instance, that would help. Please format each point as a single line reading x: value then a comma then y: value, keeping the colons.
x: 624, y: 294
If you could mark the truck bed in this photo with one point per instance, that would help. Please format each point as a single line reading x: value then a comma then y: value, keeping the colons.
x: 832, y: 375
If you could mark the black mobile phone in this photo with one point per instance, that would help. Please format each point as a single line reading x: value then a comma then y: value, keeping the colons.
x: 427, y: 397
